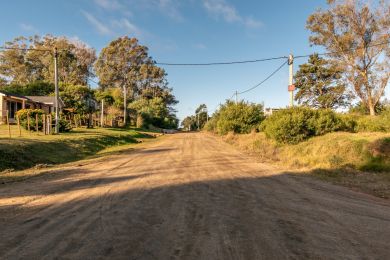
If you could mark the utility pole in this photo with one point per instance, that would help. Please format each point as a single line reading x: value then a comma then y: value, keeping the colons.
x: 291, y: 86
x: 125, y: 105
x: 197, y: 115
x: 236, y: 96
x: 57, y: 130
x: 102, y: 114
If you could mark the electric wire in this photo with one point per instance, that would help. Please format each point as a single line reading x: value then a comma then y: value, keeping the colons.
x: 336, y: 52
x: 219, y: 63
x: 24, y: 49
x: 264, y: 80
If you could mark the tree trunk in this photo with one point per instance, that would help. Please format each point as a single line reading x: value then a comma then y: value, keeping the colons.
x: 124, y: 105
x: 372, y: 108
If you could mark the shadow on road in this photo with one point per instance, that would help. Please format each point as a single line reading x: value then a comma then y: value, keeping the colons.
x: 277, y: 216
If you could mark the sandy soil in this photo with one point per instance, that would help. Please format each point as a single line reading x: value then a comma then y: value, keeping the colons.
x: 188, y: 196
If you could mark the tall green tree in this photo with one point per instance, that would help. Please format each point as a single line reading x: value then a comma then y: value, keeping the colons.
x: 201, y: 116
x: 21, y: 67
x: 153, y: 112
x: 356, y: 34
x: 37, y: 88
x: 119, y: 65
x: 189, y: 123
x: 319, y: 84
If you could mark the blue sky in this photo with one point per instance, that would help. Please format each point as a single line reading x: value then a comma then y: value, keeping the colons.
x: 184, y: 31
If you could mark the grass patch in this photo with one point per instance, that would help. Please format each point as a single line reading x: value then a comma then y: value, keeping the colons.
x: 30, y: 149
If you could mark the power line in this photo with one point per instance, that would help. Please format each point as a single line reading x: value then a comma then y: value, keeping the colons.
x: 267, y: 78
x: 336, y: 52
x: 219, y: 63
x: 23, y: 49
x: 258, y: 60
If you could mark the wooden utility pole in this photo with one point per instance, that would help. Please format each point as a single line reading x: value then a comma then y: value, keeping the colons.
x: 291, y: 86
x: 57, y: 119
x: 102, y: 114
x: 125, y: 105
x: 236, y: 94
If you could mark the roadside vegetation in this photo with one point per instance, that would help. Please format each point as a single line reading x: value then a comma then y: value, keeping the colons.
x: 31, y: 150
x: 352, y: 147
x: 133, y: 90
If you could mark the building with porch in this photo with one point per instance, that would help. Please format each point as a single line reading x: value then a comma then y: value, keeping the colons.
x: 11, y: 103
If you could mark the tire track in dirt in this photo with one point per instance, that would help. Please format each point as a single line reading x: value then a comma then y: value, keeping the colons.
x: 188, y: 196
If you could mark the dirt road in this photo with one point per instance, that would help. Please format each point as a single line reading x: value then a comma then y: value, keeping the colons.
x: 188, y: 196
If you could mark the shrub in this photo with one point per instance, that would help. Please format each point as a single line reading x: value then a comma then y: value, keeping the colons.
x: 64, y: 125
x: 239, y: 117
x: 326, y: 121
x: 296, y: 124
x: 211, y: 125
x: 24, y: 113
x: 289, y: 125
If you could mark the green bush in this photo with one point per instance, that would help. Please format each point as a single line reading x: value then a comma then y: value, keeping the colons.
x: 372, y: 124
x: 31, y: 113
x: 239, y: 117
x: 296, y: 124
x: 64, y: 126
x: 326, y: 121
x: 364, y: 123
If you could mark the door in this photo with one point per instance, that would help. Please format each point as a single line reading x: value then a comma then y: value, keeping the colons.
x: 11, y: 109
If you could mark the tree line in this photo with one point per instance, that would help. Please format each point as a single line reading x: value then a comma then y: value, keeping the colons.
x: 353, y: 73
x: 129, y: 79
x: 356, y: 36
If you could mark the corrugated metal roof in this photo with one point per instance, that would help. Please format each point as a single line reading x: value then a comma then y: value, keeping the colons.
x: 49, y: 100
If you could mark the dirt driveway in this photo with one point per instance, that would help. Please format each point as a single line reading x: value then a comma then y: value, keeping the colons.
x: 188, y: 196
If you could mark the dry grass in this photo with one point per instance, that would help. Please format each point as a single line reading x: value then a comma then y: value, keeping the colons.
x: 360, y: 161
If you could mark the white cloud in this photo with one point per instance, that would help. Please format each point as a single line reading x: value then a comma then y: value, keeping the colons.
x: 99, y: 26
x: 252, y: 23
x: 128, y: 27
x: 170, y: 8
x: 109, y: 4
x: 28, y: 27
x: 221, y: 9
x: 115, y: 26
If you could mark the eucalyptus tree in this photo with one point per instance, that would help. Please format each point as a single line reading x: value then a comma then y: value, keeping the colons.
x: 119, y: 65
x: 356, y: 34
x: 27, y: 60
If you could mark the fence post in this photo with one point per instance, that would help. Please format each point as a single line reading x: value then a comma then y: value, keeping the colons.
x: 20, y: 130
x: 9, y: 128
x: 28, y: 122
x: 44, y: 124
x: 49, y: 124
x: 36, y: 123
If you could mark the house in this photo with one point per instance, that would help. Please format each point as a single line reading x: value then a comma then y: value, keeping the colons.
x: 269, y: 111
x: 11, y: 103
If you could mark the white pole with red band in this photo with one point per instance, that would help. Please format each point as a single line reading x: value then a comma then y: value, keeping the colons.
x: 291, y: 86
